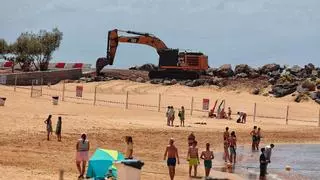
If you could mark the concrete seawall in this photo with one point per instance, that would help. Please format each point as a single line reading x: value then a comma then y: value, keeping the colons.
x: 52, y: 77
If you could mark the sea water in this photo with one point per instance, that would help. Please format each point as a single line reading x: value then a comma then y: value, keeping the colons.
x: 303, y: 160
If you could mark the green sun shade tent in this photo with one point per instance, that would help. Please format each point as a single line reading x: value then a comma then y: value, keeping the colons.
x: 101, y: 161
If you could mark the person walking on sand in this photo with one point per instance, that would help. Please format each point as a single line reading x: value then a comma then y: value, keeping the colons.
x: 191, y: 139
x: 267, y: 154
x: 172, y: 153
x: 193, y: 158
x: 259, y: 136
x: 168, y: 115
x: 48, y: 123
x: 226, y: 144
x: 242, y: 117
x: 181, y: 116
x: 233, y: 147
x: 82, y: 147
x: 263, y: 164
x: 207, y: 156
x: 254, y: 134
x: 129, y: 151
x: 58, y: 128
x: 172, y: 115
x: 229, y: 113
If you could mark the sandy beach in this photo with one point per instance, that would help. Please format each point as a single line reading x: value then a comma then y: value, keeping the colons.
x: 26, y: 154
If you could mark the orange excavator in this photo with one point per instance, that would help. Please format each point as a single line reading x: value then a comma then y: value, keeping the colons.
x: 172, y: 62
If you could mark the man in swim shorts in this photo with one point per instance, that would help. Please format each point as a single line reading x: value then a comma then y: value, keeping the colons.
x: 193, y: 158
x: 207, y: 156
x: 173, y: 156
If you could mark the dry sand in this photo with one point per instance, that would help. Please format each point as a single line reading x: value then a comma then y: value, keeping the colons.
x: 25, y: 152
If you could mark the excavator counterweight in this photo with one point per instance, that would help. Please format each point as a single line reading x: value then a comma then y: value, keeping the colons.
x: 172, y: 62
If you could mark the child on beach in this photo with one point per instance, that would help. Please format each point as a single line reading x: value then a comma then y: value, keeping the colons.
x: 193, y: 158
x: 129, y: 151
x: 173, y: 156
x: 253, y: 134
x: 259, y: 136
x: 233, y: 147
x: 181, y: 116
x: 207, y: 156
x: 226, y: 144
x: 48, y: 123
x: 229, y: 113
x: 58, y: 128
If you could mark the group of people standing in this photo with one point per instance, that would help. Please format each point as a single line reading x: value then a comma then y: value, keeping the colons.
x: 193, y: 158
x: 49, y: 128
x: 256, y: 137
x: 170, y: 114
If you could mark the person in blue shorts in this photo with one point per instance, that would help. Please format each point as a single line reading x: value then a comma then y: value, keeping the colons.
x: 173, y: 158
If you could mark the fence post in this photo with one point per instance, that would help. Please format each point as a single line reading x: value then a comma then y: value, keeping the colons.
x: 95, y: 95
x: 319, y: 118
x: 31, y: 88
x: 41, y: 85
x: 159, y: 102
x: 254, y: 112
x: 61, y: 174
x: 287, y: 116
x: 191, y: 108
x: 15, y: 82
x: 63, y: 89
x: 127, y: 99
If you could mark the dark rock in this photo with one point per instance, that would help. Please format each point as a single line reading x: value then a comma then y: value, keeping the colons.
x: 241, y: 75
x: 300, y: 89
x: 295, y: 69
x: 253, y: 74
x: 140, y: 80
x: 256, y: 91
x: 174, y: 81
x: 211, y: 71
x: 318, y: 87
x: 242, y: 68
x: 269, y: 68
x: 274, y: 74
x: 272, y: 81
x: 315, y: 95
x: 298, y: 98
x: 145, y: 67
x: 156, y: 81
x: 307, y: 84
x: 317, y: 101
x: 225, y: 71
x: 281, y: 90
x: 195, y: 83
x: 167, y: 82
x: 309, y: 67
x: 134, y: 68
x: 215, y: 81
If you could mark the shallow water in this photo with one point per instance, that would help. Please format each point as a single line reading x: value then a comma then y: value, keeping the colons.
x: 304, y: 160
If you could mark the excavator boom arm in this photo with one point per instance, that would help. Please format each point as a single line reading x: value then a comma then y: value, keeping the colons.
x: 138, y: 38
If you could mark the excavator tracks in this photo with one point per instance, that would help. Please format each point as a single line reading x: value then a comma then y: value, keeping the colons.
x: 174, y: 74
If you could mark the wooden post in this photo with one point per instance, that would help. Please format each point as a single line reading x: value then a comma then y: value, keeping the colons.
x: 63, y: 89
x: 319, y: 118
x: 61, y: 174
x: 254, y: 112
x: 127, y: 100
x: 159, y: 102
x: 31, y: 88
x: 191, y: 108
x: 41, y: 86
x: 287, y: 116
x: 95, y: 95
x: 15, y: 82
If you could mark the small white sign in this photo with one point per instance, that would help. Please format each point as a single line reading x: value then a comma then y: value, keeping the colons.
x: 3, y: 79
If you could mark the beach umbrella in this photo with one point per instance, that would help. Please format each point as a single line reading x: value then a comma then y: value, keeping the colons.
x: 101, y: 162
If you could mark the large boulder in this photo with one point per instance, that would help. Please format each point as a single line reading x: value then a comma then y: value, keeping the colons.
x: 225, y: 71
x: 309, y: 67
x: 315, y: 95
x: 309, y: 85
x: 317, y: 101
x: 214, y: 81
x: 281, y: 90
x: 269, y: 68
x: 295, y: 69
x: 242, y: 75
x: 167, y: 82
x: 242, y: 68
x: 211, y: 71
